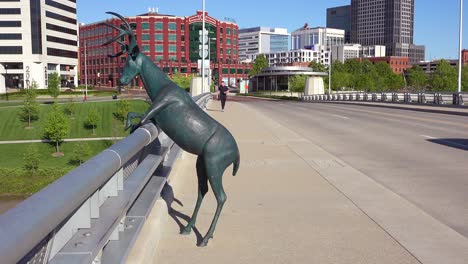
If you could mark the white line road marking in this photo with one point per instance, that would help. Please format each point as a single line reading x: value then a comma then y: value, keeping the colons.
x: 344, y: 117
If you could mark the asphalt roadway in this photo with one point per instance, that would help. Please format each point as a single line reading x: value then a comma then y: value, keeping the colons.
x: 418, y: 155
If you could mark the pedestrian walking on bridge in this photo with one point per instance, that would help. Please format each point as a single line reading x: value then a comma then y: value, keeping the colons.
x: 223, y: 92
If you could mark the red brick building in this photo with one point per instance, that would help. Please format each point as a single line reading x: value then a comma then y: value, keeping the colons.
x: 172, y: 42
x: 464, y: 57
x: 397, y: 64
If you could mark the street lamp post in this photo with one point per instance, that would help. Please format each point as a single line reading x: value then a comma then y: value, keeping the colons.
x: 6, y: 80
x: 203, y: 48
x: 86, y: 73
x: 209, y: 62
x: 460, y: 48
x: 329, y: 72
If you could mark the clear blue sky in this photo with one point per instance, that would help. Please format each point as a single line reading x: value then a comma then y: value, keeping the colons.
x: 436, y: 26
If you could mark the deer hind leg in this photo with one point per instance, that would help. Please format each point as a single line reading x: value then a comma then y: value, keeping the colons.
x: 202, y: 190
x: 215, y: 174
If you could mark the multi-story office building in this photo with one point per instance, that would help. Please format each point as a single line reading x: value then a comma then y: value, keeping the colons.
x: 172, y: 42
x: 353, y: 51
x: 340, y: 18
x: 398, y: 64
x: 318, y: 38
x: 38, y: 37
x: 298, y: 57
x: 261, y: 40
x: 386, y: 22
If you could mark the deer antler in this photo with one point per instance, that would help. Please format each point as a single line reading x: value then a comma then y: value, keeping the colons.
x: 132, y: 47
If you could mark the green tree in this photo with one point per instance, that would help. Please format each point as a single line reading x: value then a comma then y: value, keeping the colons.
x: 465, y: 78
x: 31, y: 159
x: 317, y: 66
x: 340, y: 78
x: 444, y: 77
x: 297, y: 83
x: 70, y: 107
x: 396, y: 82
x: 81, y: 153
x: 259, y: 64
x: 92, y: 119
x: 123, y: 107
x: 417, y: 78
x: 54, y: 85
x: 383, y: 76
x: 56, y: 127
x: 30, y: 110
x: 182, y: 81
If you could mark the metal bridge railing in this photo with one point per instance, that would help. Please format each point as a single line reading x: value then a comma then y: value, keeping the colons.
x: 94, y: 213
x: 435, y: 98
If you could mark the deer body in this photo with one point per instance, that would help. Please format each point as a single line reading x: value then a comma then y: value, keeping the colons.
x: 174, y: 111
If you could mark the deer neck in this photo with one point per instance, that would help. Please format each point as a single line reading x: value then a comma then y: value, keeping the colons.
x: 153, y: 78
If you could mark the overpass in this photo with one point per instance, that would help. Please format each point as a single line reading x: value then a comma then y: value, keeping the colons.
x: 314, y: 187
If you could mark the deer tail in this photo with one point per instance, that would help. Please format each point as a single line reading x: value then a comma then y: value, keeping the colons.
x: 236, y: 165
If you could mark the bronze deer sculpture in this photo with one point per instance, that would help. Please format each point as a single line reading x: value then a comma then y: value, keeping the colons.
x: 192, y: 129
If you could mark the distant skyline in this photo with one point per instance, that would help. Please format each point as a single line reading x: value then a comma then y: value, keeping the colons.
x: 435, y: 26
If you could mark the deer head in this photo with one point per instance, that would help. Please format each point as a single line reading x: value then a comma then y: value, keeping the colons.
x: 131, y: 68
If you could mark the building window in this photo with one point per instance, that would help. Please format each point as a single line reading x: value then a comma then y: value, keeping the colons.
x: 228, y: 51
x: 172, y: 37
x: 228, y: 41
x: 10, y: 36
x: 182, y: 27
x: 158, y: 26
x: 61, y: 29
x: 60, y: 17
x: 172, y: 26
x: 144, y: 25
x: 10, y: 23
x: 159, y: 48
x: 173, y: 58
x: 10, y: 11
x: 145, y: 48
x: 145, y: 37
x: 182, y: 38
x: 11, y: 50
x: 158, y: 37
x: 172, y: 48
x: 228, y: 31
x: 61, y: 40
x: 159, y: 58
x: 62, y: 53
x: 36, y: 26
x: 61, y: 6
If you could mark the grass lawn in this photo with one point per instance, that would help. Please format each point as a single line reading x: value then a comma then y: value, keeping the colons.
x: 16, y: 181
x: 12, y: 128
x: 14, y: 159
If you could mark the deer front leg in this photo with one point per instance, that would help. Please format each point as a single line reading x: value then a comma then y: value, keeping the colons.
x: 130, y: 117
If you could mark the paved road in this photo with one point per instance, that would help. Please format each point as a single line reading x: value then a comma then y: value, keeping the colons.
x: 420, y: 156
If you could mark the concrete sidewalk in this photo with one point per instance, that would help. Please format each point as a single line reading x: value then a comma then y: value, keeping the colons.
x: 279, y: 208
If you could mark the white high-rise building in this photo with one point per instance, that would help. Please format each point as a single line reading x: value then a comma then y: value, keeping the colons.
x: 353, y: 51
x: 37, y: 38
x: 299, y: 56
x: 315, y: 38
x: 261, y: 40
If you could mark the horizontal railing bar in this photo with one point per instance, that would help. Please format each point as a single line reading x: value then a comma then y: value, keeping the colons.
x: 114, y: 208
x: 117, y: 251
x: 24, y: 226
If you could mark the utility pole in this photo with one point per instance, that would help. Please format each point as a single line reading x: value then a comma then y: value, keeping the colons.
x: 203, y: 48
x: 460, y: 48
x: 86, y: 73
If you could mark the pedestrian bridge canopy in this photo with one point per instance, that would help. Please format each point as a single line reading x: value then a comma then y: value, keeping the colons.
x: 277, y: 78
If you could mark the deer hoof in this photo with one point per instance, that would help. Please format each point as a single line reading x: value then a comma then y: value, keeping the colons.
x: 186, y: 231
